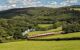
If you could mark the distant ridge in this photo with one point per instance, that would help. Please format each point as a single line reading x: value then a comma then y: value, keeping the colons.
x: 31, y: 11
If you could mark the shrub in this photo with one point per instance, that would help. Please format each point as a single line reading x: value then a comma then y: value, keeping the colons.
x: 71, y: 27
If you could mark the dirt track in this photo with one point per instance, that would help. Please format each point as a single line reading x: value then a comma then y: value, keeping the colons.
x: 45, y: 34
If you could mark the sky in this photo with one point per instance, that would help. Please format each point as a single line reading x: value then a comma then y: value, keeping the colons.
x: 8, y: 4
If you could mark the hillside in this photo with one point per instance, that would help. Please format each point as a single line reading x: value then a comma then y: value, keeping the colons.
x: 15, y: 21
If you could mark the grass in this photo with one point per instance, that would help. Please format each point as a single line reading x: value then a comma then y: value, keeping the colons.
x: 44, y: 25
x: 42, y: 32
x: 77, y: 9
x: 45, y: 45
x: 70, y: 35
x: 55, y: 30
x: 41, y: 45
x: 60, y: 36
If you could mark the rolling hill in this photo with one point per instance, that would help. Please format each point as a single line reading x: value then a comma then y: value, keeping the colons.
x: 15, y: 21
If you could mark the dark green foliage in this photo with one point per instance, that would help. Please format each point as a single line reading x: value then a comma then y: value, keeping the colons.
x: 71, y: 27
x: 15, y: 21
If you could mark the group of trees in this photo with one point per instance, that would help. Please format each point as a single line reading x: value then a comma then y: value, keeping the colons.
x: 72, y: 24
x: 14, y: 27
x: 15, y: 21
x: 71, y: 27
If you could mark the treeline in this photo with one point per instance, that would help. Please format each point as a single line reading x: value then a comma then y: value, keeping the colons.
x: 11, y: 29
x: 72, y: 24
x: 71, y: 27
x: 15, y: 21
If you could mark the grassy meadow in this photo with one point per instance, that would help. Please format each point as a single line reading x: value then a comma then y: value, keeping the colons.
x: 42, y: 32
x: 41, y: 43
x: 45, y: 45
x: 62, y: 36
x: 44, y: 25
x: 77, y: 9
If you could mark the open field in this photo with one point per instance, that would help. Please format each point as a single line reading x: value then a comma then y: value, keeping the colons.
x: 63, y: 36
x: 44, y: 25
x: 42, y: 32
x: 45, y: 45
x: 77, y: 9
x: 41, y: 45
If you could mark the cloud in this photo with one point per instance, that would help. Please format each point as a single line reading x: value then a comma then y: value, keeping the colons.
x: 72, y: 1
x: 52, y: 4
x: 30, y: 3
x: 4, y: 7
x: 36, y: 3
x: 64, y: 3
x: 12, y: 1
x: 68, y: 3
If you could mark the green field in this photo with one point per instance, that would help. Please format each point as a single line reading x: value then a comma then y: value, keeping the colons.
x: 44, y: 25
x: 42, y: 32
x: 45, y: 45
x: 77, y: 9
x: 61, y: 36
x: 41, y: 45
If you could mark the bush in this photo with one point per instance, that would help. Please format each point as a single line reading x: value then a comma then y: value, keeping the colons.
x: 71, y: 27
